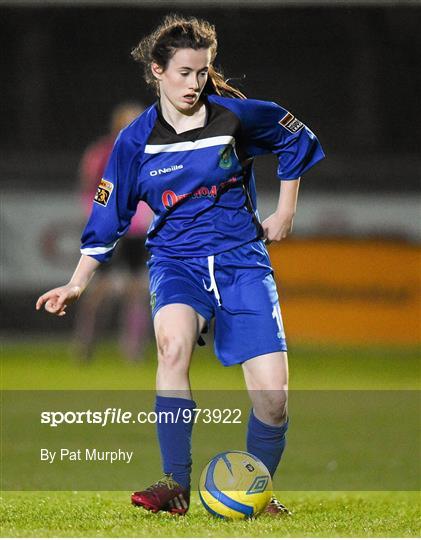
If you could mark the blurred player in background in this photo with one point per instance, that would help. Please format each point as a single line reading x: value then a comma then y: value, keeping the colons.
x: 131, y: 283
x: 190, y: 156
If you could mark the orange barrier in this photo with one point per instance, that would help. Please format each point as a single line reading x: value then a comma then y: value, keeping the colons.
x: 349, y: 291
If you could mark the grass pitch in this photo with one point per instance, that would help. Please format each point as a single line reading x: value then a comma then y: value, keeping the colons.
x: 51, y: 365
x: 108, y: 514
x: 43, y: 365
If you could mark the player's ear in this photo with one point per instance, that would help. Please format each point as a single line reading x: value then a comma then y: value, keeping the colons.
x: 157, y: 70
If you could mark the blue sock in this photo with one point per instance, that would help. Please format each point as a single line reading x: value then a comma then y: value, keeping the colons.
x: 175, y: 437
x: 266, y: 442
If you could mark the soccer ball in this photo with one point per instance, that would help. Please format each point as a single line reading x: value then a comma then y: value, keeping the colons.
x: 235, y: 485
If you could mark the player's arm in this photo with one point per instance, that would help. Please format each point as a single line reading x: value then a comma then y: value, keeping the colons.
x: 114, y: 205
x: 279, y: 224
x: 56, y: 300
x: 115, y: 202
x: 270, y: 128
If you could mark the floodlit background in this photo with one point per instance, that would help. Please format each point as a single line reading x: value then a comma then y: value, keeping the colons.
x: 350, y: 70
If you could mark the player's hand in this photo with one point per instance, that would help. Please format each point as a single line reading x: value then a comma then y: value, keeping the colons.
x: 277, y: 226
x: 57, y: 300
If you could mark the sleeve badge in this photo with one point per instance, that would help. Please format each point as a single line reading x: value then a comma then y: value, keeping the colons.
x: 103, y: 192
x: 291, y: 123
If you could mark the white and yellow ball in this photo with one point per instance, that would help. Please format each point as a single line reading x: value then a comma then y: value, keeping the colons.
x: 235, y: 485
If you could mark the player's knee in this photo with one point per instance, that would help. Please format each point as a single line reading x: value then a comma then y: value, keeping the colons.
x: 173, y: 352
x: 278, y: 416
x: 276, y: 407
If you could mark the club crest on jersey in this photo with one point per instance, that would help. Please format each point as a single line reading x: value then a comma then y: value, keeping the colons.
x: 226, y: 160
x: 103, y: 192
x: 291, y: 123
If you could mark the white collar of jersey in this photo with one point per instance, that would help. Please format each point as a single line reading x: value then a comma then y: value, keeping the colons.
x: 187, y: 146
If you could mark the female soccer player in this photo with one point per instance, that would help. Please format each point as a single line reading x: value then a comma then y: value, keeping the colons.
x: 190, y: 157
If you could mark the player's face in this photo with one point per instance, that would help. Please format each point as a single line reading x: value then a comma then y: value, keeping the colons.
x: 184, y: 78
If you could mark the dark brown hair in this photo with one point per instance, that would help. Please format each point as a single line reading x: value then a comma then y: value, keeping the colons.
x: 175, y: 33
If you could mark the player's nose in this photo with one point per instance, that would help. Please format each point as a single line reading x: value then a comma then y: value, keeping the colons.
x: 194, y: 82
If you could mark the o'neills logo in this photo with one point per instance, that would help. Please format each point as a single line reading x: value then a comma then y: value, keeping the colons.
x: 166, y: 170
x: 170, y: 198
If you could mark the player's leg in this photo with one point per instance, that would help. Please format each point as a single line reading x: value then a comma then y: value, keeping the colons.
x: 177, y: 328
x: 266, y: 378
x: 249, y: 331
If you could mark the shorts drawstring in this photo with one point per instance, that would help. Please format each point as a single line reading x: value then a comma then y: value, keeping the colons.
x: 213, y: 286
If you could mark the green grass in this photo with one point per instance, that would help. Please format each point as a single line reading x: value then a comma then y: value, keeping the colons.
x: 107, y: 514
x: 38, y: 364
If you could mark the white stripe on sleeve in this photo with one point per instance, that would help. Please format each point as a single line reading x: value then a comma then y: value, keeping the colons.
x: 98, y: 250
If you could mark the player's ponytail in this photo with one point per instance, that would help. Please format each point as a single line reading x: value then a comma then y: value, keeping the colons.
x: 175, y: 33
x: 216, y: 84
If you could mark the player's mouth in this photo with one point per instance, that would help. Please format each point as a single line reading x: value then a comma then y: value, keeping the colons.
x: 190, y: 98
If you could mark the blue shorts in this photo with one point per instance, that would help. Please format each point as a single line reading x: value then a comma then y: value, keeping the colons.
x: 236, y: 288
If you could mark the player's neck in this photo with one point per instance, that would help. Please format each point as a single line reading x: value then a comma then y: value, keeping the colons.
x: 182, y: 121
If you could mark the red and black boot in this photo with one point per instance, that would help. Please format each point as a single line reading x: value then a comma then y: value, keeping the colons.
x: 166, y: 495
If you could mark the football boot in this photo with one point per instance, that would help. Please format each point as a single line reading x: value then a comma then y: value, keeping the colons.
x: 166, y: 495
x: 275, y: 508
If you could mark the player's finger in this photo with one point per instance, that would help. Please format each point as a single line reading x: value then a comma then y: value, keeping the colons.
x: 177, y: 503
x: 63, y: 307
x: 53, y: 307
x: 40, y: 302
x: 49, y: 306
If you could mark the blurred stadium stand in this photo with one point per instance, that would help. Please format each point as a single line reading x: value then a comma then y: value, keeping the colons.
x: 350, y: 69
x: 352, y: 73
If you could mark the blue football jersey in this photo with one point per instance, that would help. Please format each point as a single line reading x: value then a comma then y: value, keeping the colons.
x: 199, y: 183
